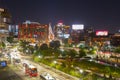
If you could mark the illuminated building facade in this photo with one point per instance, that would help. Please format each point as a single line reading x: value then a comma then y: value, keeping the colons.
x: 33, y: 32
x: 77, y: 33
x: 89, y: 34
x: 101, y: 36
x: 5, y: 20
x: 51, y: 34
x: 13, y: 30
x: 61, y: 32
x: 115, y: 39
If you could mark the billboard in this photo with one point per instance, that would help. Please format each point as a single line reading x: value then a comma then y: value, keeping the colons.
x: 77, y: 26
x: 64, y: 35
x: 101, y: 33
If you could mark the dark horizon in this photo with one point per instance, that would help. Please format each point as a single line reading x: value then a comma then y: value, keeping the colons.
x: 101, y: 15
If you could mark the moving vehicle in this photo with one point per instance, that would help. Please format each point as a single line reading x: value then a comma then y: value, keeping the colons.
x: 3, y: 63
x: 46, y: 76
x: 30, y: 70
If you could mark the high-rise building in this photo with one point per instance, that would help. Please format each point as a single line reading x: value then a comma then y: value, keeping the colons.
x: 5, y: 20
x: 115, y: 39
x: 13, y: 30
x: 61, y: 32
x: 77, y: 33
x: 88, y: 35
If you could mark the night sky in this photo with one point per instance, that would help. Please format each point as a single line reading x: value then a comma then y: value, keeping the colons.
x: 99, y: 14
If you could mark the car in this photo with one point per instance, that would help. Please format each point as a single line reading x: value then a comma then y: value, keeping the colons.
x: 3, y: 63
x: 17, y: 60
x: 47, y: 76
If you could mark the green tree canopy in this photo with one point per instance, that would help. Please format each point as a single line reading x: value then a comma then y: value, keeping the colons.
x: 83, y: 52
x: 54, y: 44
x: 72, y: 53
x: 10, y: 39
x: 44, y: 46
x: 117, y: 50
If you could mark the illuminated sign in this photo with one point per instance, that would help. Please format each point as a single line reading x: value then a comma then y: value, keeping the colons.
x: 77, y: 26
x: 66, y: 35
x: 101, y: 33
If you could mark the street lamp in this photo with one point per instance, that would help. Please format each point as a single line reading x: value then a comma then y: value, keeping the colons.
x: 55, y: 62
x: 81, y: 71
x: 11, y: 58
x: 62, y: 51
x: 40, y: 56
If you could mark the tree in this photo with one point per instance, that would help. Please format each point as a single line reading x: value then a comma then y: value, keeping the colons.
x: 3, y: 45
x: 109, y: 72
x: 117, y: 50
x: 92, y: 52
x: 24, y: 45
x: 82, y: 55
x: 72, y: 53
x: 10, y: 39
x: 57, y: 44
x: 69, y: 58
x: 82, y: 52
x: 44, y: 46
x: 56, y: 52
x: 54, y: 44
x: 31, y: 49
x: 51, y: 44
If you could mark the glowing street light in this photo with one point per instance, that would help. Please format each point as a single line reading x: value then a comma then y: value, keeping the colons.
x: 55, y: 62
x: 81, y: 71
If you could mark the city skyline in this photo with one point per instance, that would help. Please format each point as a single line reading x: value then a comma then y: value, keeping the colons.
x: 97, y: 14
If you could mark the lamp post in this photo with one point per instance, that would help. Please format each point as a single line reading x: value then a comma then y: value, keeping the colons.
x: 40, y: 56
x: 81, y: 71
x: 62, y: 51
x: 55, y: 62
x: 11, y: 58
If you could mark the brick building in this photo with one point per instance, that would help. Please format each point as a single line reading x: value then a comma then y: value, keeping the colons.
x: 33, y: 32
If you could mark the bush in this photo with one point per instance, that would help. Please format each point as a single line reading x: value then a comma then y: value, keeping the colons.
x: 75, y: 73
x: 52, y: 65
x: 36, y: 59
x: 59, y: 67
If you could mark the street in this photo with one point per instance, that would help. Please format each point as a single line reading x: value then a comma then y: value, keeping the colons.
x: 15, y: 71
x: 43, y: 68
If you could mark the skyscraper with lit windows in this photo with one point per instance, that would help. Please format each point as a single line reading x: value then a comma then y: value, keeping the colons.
x: 5, y: 20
